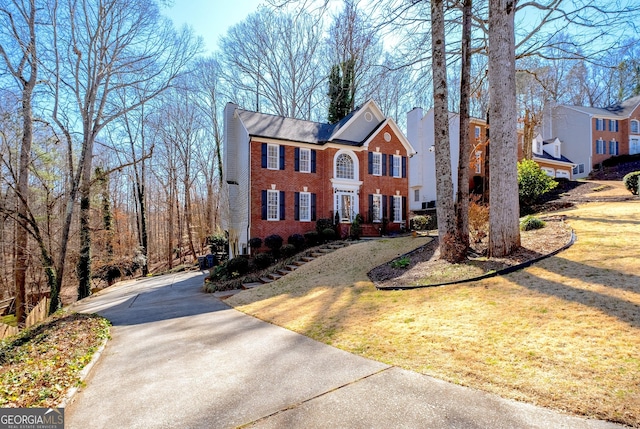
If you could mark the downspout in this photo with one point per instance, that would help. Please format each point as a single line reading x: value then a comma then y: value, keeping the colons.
x: 249, y: 199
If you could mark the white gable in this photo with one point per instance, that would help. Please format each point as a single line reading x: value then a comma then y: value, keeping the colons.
x: 361, y: 124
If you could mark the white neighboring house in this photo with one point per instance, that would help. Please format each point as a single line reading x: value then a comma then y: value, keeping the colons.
x: 591, y: 135
x: 422, y: 166
x: 548, y: 154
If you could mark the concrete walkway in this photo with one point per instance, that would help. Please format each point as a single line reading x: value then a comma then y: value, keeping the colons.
x: 180, y: 358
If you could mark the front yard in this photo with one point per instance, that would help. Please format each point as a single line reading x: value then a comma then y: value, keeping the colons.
x: 564, y: 333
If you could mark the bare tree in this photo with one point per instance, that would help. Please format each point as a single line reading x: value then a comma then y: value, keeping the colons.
x: 100, y: 49
x: 504, y: 232
x: 19, y: 34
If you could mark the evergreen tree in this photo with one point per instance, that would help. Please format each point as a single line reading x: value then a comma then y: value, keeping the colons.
x: 341, y: 97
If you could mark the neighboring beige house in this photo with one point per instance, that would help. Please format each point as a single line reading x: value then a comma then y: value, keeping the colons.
x: 590, y: 135
x: 548, y: 155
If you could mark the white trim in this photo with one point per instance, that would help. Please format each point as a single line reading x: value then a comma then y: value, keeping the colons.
x: 308, y: 152
x: 399, y: 134
x: 356, y: 166
x: 369, y: 105
x: 277, y: 194
x: 376, y: 156
x: 277, y: 149
x: 308, y: 206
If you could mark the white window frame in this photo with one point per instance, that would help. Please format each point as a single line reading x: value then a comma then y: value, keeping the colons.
x: 613, y: 129
x: 341, y: 196
x: 352, y: 169
x: 377, y: 208
x: 397, y: 209
x: 600, y: 124
x: 477, y: 132
x: 601, y: 147
x: 578, y: 169
x: 634, y: 126
x: 416, y: 195
x: 396, y: 166
x: 273, y: 205
x: 616, y: 146
x: 304, y: 206
x: 273, y: 157
x: 304, y: 161
x: 478, y: 162
x: 376, y: 164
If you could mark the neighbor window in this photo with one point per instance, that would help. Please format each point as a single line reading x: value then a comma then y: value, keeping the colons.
x: 305, y: 160
x: 578, y: 169
x: 635, y: 127
x: 613, y: 125
x: 273, y: 205
x: 599, y: 124
x: 396, y: 166
x: 376, y: 208
x: 477, y: 132
x: 478, y: 162
x: 416, y: 195
x: 613, y: 147
x: 273, y: 157
x: 600, y: 147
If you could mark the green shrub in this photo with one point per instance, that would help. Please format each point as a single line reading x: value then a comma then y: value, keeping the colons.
x: 421, y: 223
x: 355, y: 232
x: 296, y: 240
x: 263, y: 260
x: 401, y: 262
x: 274, y: 242
x: 532, y: 182
x: 255, y: 243
x: 530, y: 223
x: 322, y: 224
x: 328, y: 234
x: 239, y: 265
x: 288, y: 250
x: 631, y: 182
x: 218, y: 242
x: 312, y: 238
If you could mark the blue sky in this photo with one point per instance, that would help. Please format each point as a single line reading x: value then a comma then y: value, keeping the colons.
x: 210, y: 18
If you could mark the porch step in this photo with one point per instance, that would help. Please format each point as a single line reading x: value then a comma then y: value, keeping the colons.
x: 283, y: 272
x: 292, y: 267
x: 251, y: 285
x: 274, y: 276
x: 307, y: 258
x: 266, y: 280
x: 299, y: 263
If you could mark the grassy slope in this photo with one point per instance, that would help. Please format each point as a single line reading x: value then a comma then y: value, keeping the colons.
x: 563, y: 334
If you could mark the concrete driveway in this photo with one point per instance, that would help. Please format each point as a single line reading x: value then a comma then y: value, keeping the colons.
x: 180, y: 358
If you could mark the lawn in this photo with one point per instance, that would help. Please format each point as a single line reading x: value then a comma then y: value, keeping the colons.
x: 563, y: 334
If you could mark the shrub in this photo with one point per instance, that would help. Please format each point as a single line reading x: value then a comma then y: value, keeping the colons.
x: 255, y: 243
x: 328, y: 234
x: 296, y: 240
x: 288, y: 250
x: 274, y: 242
x: 401, y: 262
x: 218, y: 242
x: 631, y: 182
x: 421, y: 223
x: 356, y: 229
x: 530, y: 223
x: 239, y: 265
x: 322, y: 224
x: 478, y: 220
x: 312, y: 238
x: 263, y: 260
x: 532, y: 182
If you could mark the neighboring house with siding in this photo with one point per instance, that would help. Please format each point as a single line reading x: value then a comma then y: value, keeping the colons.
x: 548, y: 155
x: 590, y: 135
x: 282, y: 174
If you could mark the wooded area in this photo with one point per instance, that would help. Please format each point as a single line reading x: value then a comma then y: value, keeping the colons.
x: 110, y: 118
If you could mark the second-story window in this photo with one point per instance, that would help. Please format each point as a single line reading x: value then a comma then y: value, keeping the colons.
x: 635, y: 127
x: 599, y: 124
x: 477, y: 132
x: 273, y: 157
x: 376, y: 164
x: 305, y: 160
x: 397, y: 172
x: 613, y: 125
x: 344, y: 167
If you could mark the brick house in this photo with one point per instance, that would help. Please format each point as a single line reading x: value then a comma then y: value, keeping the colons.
x: 283, y: 174
x: 591, y: 135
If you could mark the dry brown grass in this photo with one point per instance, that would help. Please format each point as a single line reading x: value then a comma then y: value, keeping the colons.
x: 563, y: 334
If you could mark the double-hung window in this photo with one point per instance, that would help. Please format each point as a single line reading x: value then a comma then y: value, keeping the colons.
x: 613, y: 125
x: 613, y: 147
x: 376, y: 208
x: 273, y: 157
x: 304, y: 205
x: 477, y: 132
x: 273, y: 205
x: 478, y: 162
x: 599, y: 124
x: 305, y: 160
x: 635, y: 127
x: 396, y: 167
x: 600, y: 147
x: 377, y: 164
x: 397, y: 208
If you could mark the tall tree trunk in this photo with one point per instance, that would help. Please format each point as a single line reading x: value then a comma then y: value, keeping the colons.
x: 462, y: 200
x: 84, y: 261
x: 504, y: 234
x: 444, y: 183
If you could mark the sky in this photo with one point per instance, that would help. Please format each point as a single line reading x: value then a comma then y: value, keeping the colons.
x: 210, y: 19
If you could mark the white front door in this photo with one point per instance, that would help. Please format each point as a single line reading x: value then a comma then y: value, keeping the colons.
x: 346, y: 204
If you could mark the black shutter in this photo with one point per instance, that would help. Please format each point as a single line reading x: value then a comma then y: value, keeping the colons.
x: 313, y: 206
x: 264, y: 205
x: 391, y: 208
x: 313, y: 160
x: 281, y: 157
x: 384, y: 207
x: 391, y: 165
x: 404, y: 166
x: 296, y: 159
x: 370, y: 162
x: 384, y: 164
x: 264, y: 155
x: 281, y: 204
x: 370, y: 207
x: 296, y: 206
x: 404, y: 208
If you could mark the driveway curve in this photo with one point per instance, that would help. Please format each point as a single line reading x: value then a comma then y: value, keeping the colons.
x: 180, y: 358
